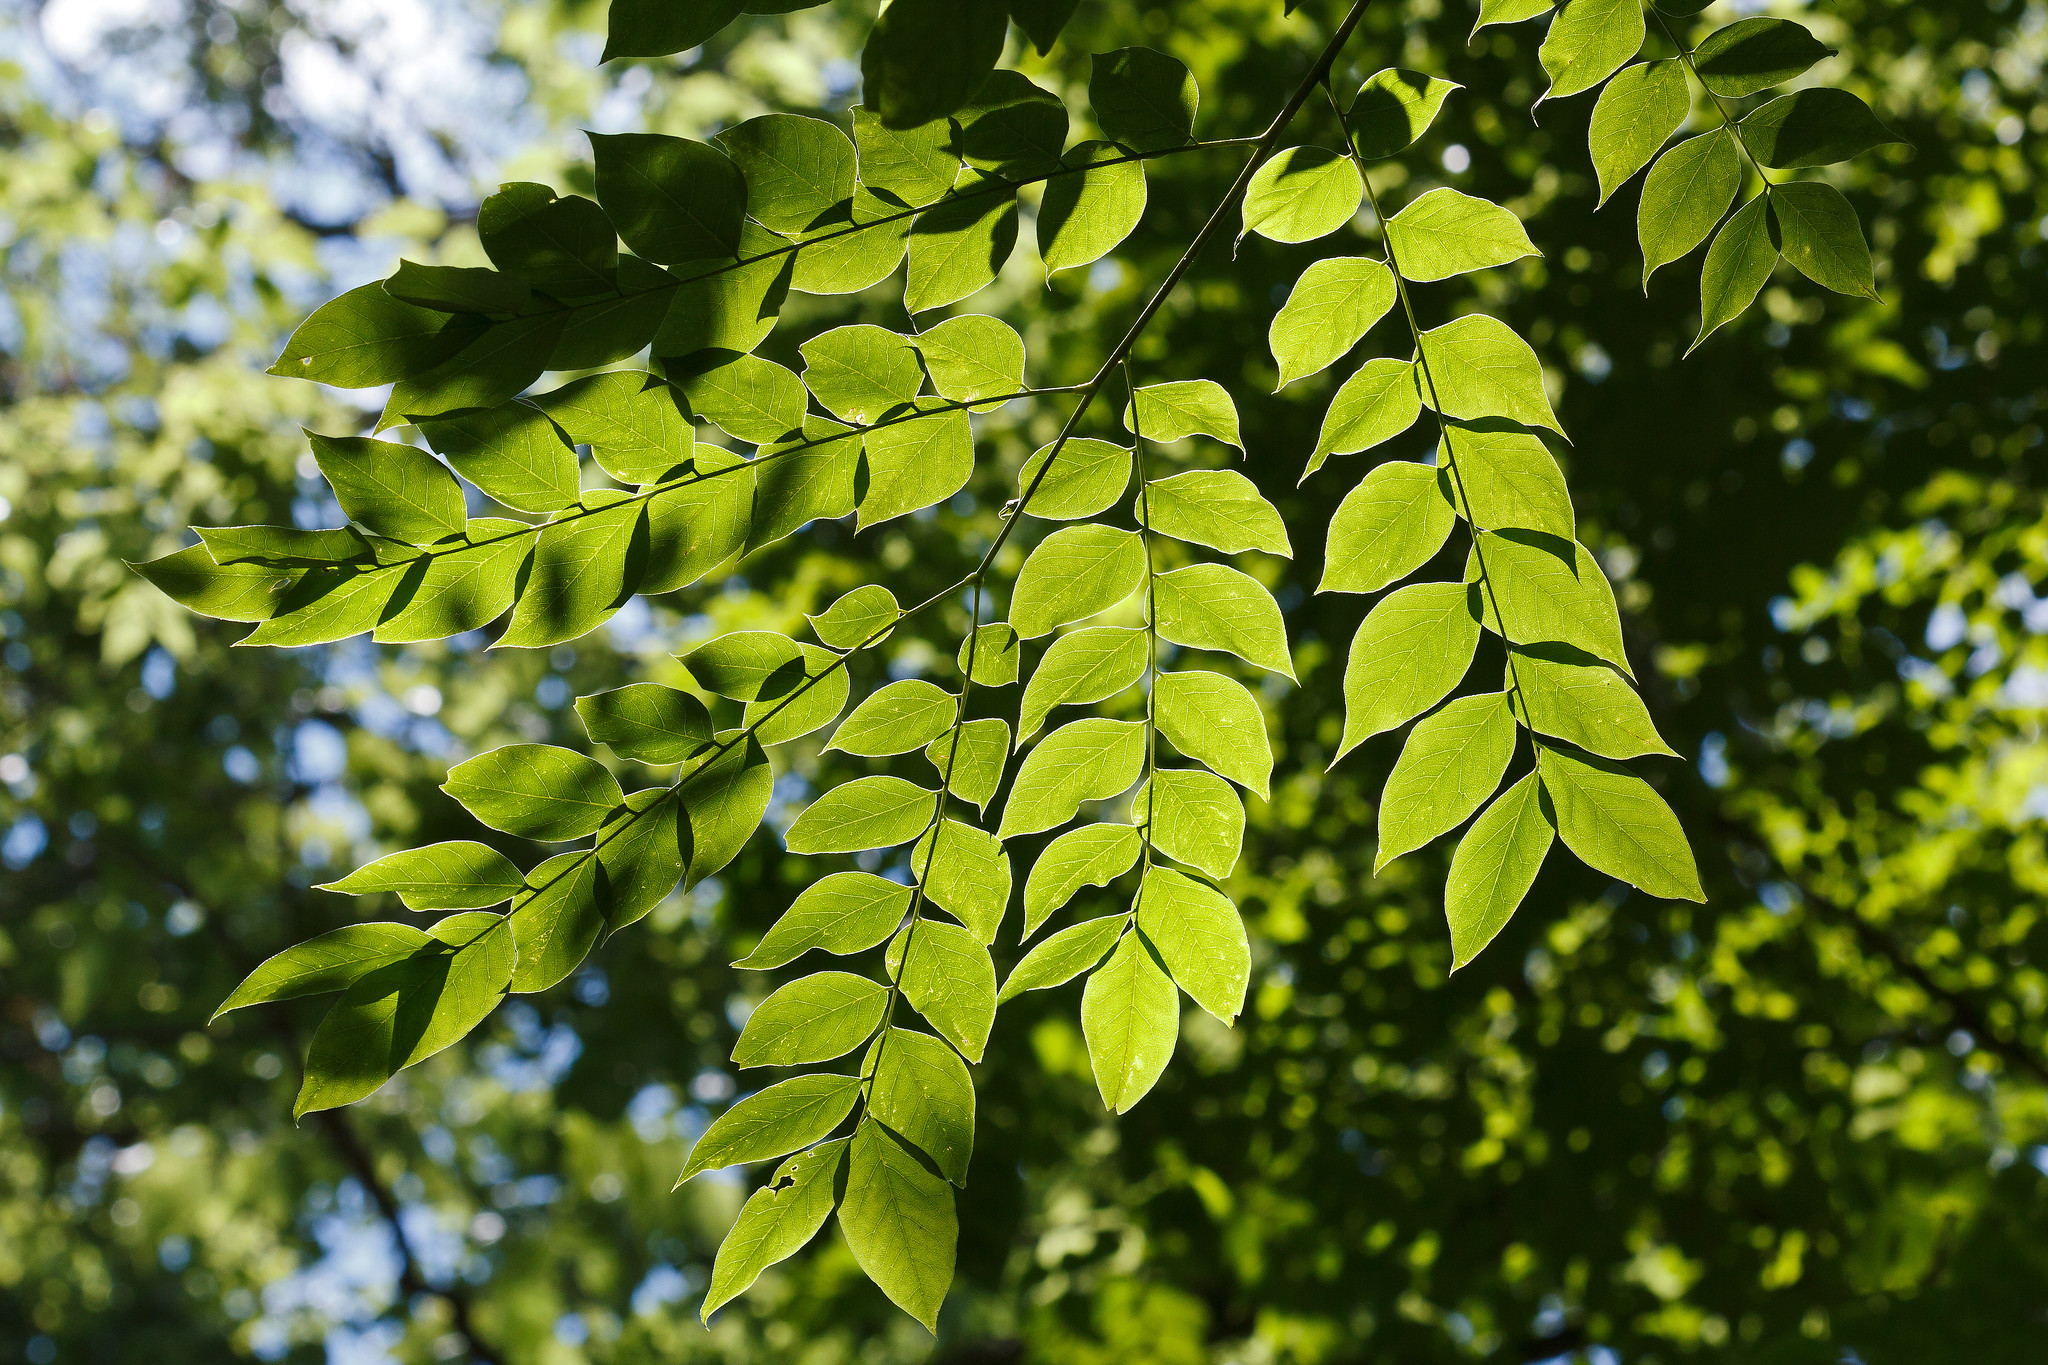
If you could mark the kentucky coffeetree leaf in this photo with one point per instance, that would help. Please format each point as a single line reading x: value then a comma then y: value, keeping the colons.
x: 1453, y: 761
x: 461, y: 875
x: 812, y: 1019
x: 539, y: 791
x: 1092, y: 855
x: 1413, y: 648
x: 1494, y: 867
x: 1388, y: 527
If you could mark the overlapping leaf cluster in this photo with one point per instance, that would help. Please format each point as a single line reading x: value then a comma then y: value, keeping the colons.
x: 557, y: 507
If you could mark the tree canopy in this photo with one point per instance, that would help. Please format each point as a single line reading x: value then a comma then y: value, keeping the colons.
x: 772, y: 469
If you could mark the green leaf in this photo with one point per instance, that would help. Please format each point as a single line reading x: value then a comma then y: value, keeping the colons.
x: 1012, y: 127
x: 797, y: 170
x: 1755, y: 54
x: 947, y: 977
x: 1301, y: 194
x: 859, y: 618
x: 400, y: 492
x: 1452, y: 762
x: 498, y: 364
x: 1684, y: 195
x: 1130, y: 1015
x: 923, y: 1093
x: 331, y: 961
x: 748, y: 397
x: 774, y: 1122
x: 1073, y: 574
x: 977, y: 761
x: 724, y: 801
x: 407, y: 1010
x: 673, y: 200
x: 1066, y: 954
x: 1739, y: 264
x: 1638, y: 111
x: 695, y: 526
x: 1333, y: 304
x: 793, y: 704
x: 577, y: 576
x: 960, y: 246
x: 366, y: 337
x: 812, y: 1019
x: 1143, y: 99
x: 897, y: 1216
x: 1546, y: 600
x: 1377, y: 403
x: 1617, y: 824
x: 1588, y: 42
x: 458, y: 588
x: 798, y: 482
x: 745, y: 664
x: 967, y: 875
x: 910, y: 167
x: 1085, y: 213
x: 973, y: 357
x: 462, y: 875
x: 1816, y: 127
x: 511, y: 452
x: 844, y: 913
x: 1389, y: 526
x: 639, y: 856
x: 1413, y: 648
x: 915, y: 463
x: 1088, y: 476
x: 619, y: 323
x: 239, y: 592
x: 1394, y: 108
x: 1509, y: 478
x: 731, y: 307
x: 1822, y: 238
x: 325, y: 605
x: 556, y: 921
x: 777, y: 1219
x: 538, y: 791
x: 1085, y: 760
x: 284, y: 546
x: 563, y: 244
x: 1210, y: 606
x: 1200, y: 937
x: 861, y: 372
x: 1217, y: 722
x: 1510, y: 11
x: 1086, y: 666
x: 1589, y: 704
x: 868, y: 812
x: 1478, y: 367
x: 1494, y: 867
x: 647, y: 721
x: 458, y: 289
x: 1093, y: 855
x: 993, y: 652
x: 1186, y: 407
x: 1193, y: 817
x: 1219, y: 508
x: 896, y: 718
x: 857, y: 245
x: 655, y: 28
x: 1445, y: 233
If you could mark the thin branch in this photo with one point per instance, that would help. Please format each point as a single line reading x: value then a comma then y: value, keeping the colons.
x: 342, y: 1134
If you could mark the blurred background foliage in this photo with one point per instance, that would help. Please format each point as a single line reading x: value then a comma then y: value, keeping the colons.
x: 1806, y: 1122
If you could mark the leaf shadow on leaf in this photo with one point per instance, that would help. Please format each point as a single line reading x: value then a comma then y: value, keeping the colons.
x: 1562, y: 549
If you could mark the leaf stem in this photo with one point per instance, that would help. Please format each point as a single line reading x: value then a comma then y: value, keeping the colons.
x: 1729, y: 124
x: 1151, y: 621
x: 1442, y: 423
